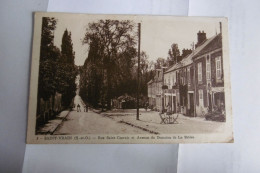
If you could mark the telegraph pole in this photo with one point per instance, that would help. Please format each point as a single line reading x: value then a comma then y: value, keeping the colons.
x: 138, y: 70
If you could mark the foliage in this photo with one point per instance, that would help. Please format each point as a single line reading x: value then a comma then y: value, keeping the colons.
x: 173, y: 54
x: 160, y: 62
x: 67, y: 70
x: 48, y: 56
x: 57, y: 71
x: 110, y: 60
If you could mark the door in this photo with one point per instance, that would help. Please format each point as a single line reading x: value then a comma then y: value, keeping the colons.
x: 210, y: 102
x: 173, y: 104
x: 191, y: 99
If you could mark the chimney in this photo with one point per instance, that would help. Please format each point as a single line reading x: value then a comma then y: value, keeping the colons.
x: 186, y: 52
x: 201, y: 38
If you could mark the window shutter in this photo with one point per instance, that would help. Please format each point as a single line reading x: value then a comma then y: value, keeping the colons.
x: 203, y: 69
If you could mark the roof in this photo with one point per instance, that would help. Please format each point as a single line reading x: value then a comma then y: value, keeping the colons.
x: 214, y: 43
x: 208, y: 45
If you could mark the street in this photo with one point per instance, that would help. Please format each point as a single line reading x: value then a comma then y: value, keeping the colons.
x: 92, y: 123
x: 151, y: 120
x: 123, y: 121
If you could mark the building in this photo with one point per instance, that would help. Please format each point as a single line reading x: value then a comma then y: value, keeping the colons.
x: 180, y: 92
x: 209, y: 76
x: 195, y: 85
x: 155, y: 90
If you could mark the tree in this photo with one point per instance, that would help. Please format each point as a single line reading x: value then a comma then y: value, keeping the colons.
x: 67, y: 48
x: 144, y: 72
x: 114, y: 51
x: 48, y: 56
x: 66, y: 70
x: 173, y: 54
x: 160, y: 62
x: 47, y: 37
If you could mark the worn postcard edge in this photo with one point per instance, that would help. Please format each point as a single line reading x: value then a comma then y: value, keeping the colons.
x: 226, y: 137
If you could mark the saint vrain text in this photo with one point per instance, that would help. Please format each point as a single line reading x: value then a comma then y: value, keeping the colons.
x: 110, y: 138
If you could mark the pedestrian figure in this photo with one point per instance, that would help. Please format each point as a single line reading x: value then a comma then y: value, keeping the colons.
x: 168, y: 109
x: 78, y: 108
x: 85, y: 108
x: 178, y: 108
x: 146, y: 106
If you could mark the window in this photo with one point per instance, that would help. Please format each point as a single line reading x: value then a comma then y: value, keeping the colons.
x: 174, y: 78
x: 200, y: 72
x: 188, y: 75
x: 177, y: 77
x: 218, y: 68
x: 208, y: 68
x: 184, y: 76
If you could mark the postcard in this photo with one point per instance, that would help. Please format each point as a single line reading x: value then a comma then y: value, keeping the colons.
x: 129, y: 79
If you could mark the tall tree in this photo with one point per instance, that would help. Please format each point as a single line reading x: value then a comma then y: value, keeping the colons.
x: 47, y: 37
x: 67, y: 48
x: 116, y: 41
x: 47, y: 68
x: 173, y: 54
x: 48, y: 57
x: 66, y: 72
x: 91, y: 77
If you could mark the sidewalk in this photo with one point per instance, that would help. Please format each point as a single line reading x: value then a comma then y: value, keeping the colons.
x: 52, y: 125
x: 150, y: 121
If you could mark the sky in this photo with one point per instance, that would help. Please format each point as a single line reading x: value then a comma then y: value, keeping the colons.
x: 157, y: 33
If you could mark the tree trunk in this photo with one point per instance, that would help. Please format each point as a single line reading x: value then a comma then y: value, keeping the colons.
x: 108, y: 100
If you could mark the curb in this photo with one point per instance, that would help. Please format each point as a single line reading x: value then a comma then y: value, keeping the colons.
x: 60, y: 123
x: 139, y: 127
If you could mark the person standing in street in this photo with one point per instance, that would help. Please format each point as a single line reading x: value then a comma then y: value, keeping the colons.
x: 78, y: 108
x: 146, y: 106
x: 168, y: 109
x: 85, y: 108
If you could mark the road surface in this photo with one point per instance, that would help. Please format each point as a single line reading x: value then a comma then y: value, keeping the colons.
x: 90, y: 122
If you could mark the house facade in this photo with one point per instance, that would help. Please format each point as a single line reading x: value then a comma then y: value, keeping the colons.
x: 180, y: 92
x: 194, y: 85
x: 155, y: 90
x: 209, y: 77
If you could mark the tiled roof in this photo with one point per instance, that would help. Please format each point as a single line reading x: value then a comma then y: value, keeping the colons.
x: 214, y: 44
x: 208, y: 45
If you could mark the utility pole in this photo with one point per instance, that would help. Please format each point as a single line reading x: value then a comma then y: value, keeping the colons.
x: 138, y: 70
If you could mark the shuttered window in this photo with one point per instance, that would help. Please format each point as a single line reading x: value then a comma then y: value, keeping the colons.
x: 218, y: 68
x: 200, y: 72
x: 208, y: 68
x: 188, y: 75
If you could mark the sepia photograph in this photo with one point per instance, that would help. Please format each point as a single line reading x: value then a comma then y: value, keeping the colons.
x: 129, y: 79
